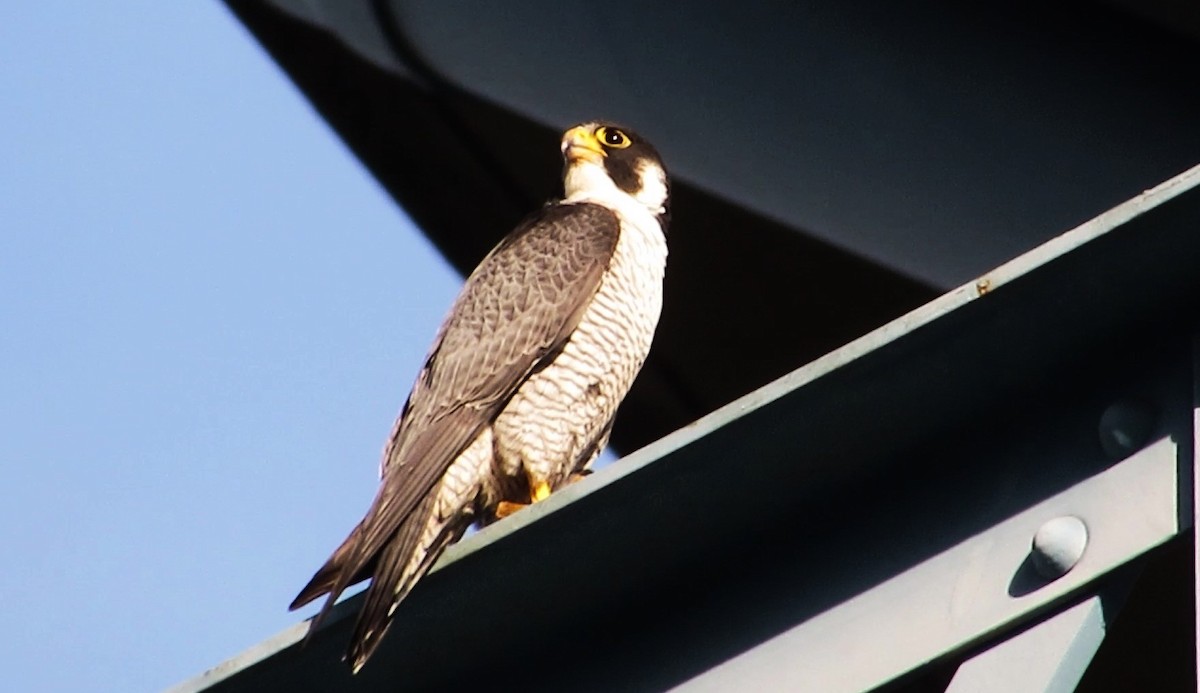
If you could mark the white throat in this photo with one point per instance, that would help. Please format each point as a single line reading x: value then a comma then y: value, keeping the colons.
x: 588, y: 181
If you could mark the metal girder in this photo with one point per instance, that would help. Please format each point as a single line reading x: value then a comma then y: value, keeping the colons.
x: 1049, y: 657
x: 976, y: 589
x: 862, y: 516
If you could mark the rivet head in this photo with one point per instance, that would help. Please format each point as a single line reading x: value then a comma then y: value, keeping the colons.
x: 1125, y: 428
x: 1058, y: 545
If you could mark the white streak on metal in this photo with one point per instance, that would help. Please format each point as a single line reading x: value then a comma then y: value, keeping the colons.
x: 1194, y: 495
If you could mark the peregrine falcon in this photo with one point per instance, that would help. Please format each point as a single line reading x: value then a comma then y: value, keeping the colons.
x: 520, y: 388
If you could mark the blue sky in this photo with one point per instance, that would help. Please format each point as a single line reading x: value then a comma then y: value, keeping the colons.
x: 209, y: 315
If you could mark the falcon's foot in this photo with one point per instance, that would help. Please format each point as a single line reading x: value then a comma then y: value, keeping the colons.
x: 540, y: 492
x: 506, y: 508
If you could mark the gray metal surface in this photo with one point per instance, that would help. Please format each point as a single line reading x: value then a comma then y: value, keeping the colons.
x: 976, y: 588
x: 353, y: 22
x: 820, y: 489
x: 1049, y: 657
x: 933, y: 137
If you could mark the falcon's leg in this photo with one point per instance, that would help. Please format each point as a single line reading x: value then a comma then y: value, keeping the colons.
x: 506, y: 508
x: 538, y: 491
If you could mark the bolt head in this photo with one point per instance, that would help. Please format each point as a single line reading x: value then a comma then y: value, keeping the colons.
x: 1058, y: 545
x: 1125, y: 427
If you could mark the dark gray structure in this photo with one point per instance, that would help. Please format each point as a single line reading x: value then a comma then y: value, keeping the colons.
x: 864, y: 520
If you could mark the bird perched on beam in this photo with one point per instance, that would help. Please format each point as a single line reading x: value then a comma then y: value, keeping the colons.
x: 520, y: 388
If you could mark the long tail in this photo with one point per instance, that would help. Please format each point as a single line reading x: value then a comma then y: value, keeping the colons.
x: 327, y: 576
x: 409, y: 555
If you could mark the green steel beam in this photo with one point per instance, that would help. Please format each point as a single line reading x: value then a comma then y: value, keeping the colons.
x: 974, y: 591
x: 1048, y: 657
x: 835, y: 496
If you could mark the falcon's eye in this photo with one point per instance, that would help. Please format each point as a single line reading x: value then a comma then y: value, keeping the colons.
x: 612, y: 137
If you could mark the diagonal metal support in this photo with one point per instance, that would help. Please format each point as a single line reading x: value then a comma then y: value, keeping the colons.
x: 855, y: 520
x: 1049, y: 657
x: 971, y: 592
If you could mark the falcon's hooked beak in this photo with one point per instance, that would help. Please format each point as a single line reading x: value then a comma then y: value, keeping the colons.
x: 580, y: 144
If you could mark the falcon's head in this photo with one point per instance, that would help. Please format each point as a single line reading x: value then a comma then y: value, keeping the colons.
x: 612, y: 164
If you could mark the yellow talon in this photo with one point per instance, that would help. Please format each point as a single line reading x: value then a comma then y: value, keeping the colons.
x: 539, y: 492
x: 506, y: 508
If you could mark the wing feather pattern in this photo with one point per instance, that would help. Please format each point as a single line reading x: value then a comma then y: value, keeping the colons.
x: 516, y: 310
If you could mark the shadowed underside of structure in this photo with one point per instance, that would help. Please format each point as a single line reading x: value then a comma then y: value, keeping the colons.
x: 741, y: 289
x: 866, y: 520
x: 863, y: 521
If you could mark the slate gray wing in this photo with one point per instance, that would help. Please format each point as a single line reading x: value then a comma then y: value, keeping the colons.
x: 516, y: 310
